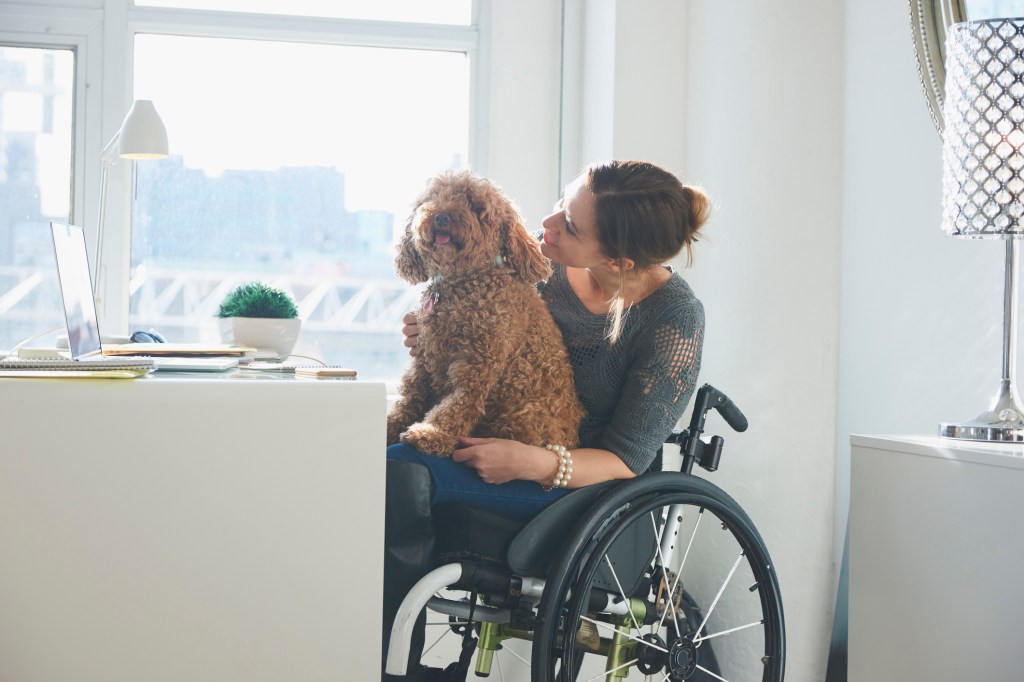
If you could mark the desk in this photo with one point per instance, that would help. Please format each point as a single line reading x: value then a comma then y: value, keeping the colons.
x: 935, y: 560
x: 194, y: 529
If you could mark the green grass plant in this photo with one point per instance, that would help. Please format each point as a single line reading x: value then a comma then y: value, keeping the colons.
x: 257, y: 299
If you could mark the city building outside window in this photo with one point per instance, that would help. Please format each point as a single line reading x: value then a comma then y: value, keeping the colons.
x: 36, y: 144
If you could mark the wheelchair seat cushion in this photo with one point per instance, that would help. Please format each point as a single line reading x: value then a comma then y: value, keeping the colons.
x: 467, y: 533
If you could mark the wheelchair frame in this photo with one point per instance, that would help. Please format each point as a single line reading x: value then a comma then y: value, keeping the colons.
x: 539, y: 608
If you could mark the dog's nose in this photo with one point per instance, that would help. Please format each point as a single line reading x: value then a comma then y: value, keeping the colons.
x: 441, y: 220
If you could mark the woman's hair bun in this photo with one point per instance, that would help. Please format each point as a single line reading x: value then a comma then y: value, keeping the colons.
x: 700, y: 208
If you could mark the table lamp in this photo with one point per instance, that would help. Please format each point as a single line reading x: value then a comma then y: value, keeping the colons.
x: 983, y: 182
x: 141, y: 136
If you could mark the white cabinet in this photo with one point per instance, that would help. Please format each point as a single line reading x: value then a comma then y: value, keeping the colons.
x: 936, y: 560
x: 221, y: 530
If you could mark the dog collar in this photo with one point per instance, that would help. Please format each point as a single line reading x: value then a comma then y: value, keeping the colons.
x: 432, y: 295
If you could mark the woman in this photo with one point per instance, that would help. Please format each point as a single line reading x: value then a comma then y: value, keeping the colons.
x: 634, y: 331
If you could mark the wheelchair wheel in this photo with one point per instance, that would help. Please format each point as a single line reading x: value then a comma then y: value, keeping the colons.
x: 710, y: 612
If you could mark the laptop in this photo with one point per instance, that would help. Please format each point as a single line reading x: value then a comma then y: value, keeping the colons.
x: 85, y: 351
x: 84, y: 345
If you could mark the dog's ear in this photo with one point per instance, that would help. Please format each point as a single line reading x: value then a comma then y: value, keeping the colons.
x: 524, y: 253
x: 408, y: 263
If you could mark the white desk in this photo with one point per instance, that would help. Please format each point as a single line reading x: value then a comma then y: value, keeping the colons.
x: 190, y: 530
x: 936, y: 560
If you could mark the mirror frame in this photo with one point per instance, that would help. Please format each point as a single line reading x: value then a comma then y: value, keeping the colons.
x: 929, y: 20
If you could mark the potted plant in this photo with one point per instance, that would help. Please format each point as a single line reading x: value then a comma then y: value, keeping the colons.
x: 260, y: 316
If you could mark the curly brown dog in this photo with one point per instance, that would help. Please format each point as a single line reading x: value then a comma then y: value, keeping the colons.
x: 491, y: 360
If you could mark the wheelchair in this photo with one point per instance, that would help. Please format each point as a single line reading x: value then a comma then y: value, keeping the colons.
x: 663, y: 575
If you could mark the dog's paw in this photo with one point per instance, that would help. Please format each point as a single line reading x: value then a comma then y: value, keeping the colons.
x: 429, y: 439
x: 396, y: 424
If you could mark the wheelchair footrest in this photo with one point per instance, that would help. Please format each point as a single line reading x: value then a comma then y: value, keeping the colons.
x: 421, y: 674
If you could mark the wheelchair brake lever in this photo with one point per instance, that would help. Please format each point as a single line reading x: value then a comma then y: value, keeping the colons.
x: 693, y: 449
x: 732, y: 415
x: 709, y: 397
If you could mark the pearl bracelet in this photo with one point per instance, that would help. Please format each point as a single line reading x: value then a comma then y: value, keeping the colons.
x: 564, y: 467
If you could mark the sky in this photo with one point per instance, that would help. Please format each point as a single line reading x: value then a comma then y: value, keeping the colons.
x: 387, y: 118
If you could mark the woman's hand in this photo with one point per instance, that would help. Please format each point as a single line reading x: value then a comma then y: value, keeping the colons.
x: 411, y: 332
x: 499, y: 460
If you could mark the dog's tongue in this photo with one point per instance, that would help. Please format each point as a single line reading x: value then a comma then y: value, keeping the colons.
x: 442, y: 238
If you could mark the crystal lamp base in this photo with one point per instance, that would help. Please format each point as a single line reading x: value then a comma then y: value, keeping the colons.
x: 1003, y: 422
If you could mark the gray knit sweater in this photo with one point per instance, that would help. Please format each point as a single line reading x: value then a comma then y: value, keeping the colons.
x: 634, y: 391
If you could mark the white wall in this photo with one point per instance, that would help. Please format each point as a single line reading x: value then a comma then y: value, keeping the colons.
x: 525, y: 103
x: 764, y: 124
x: 921, y: 313
x: 745, y: 98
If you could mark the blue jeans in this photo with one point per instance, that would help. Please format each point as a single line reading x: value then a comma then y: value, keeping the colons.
x: 456, y: 482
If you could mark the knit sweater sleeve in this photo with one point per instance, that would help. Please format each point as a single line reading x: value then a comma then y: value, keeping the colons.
x: 660, y: 379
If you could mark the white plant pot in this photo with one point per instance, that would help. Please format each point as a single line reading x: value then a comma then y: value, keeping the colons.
x: 272, y: 337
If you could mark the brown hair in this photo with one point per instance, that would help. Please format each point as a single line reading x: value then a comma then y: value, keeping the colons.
x: 643, y: 213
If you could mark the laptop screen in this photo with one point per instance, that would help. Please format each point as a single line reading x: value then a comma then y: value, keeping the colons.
x: 76, y: 289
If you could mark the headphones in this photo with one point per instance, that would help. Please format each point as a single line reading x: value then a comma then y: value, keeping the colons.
x: 146, y: 337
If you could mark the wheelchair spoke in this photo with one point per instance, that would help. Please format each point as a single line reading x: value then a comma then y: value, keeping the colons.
x: 515, y: 655
x: 679, y: 573
x: 727, y: 632
x: 708, y: 672
x: 615, y: 669
x: 718, y: 596
x: 622, y: 592
x: 669, y: 594
x: 689, y: 545
x: 615, y: 630
x: 443, y: 635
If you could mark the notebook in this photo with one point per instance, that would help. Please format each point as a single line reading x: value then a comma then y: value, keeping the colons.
x: 83, y: 326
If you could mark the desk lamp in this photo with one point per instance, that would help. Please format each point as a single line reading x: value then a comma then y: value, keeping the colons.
x: 983, y: 182
x: 141, y: 136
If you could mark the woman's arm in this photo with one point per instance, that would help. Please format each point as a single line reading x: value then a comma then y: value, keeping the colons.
x: 498, y: 460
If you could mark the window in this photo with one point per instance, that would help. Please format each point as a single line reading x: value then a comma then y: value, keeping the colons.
x: 261, y: 99
x: 36, y: 104
x: 435, y: 11
x: 297, y: 169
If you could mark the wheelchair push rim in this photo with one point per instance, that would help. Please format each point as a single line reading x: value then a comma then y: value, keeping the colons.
x: 717, y: 553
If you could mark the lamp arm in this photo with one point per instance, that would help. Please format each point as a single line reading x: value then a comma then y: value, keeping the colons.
x: 108, y: 156
x: 109, y: 153
x: 96, y: 288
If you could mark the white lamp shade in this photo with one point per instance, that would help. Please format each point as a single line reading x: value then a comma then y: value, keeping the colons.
x: 142, y: 134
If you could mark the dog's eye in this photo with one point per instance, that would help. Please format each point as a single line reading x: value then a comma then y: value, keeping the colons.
x: 441, y: 220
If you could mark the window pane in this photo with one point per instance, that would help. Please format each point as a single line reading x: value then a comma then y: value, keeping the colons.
x: 296, y: 165
x: 36, y: 104
x: 457, y: 12
x: 992, y: 9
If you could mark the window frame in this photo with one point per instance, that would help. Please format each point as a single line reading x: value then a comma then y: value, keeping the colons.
x: 77, y: 29
x: 103, y: 38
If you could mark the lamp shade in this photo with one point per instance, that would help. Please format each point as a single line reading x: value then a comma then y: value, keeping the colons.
x: 142, y: 134
x: 983, y: 166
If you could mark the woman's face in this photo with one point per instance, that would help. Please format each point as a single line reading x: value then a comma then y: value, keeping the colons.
x: 570, y: 233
